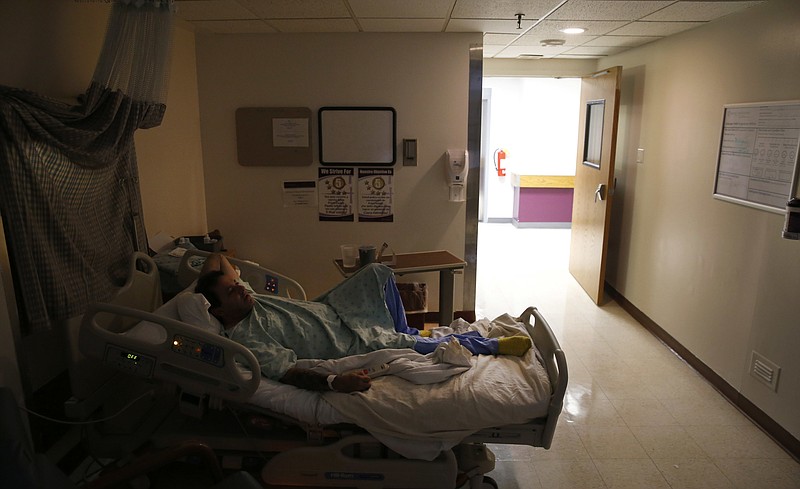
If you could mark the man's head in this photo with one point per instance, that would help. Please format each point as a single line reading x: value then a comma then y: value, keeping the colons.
x: 230, y: 301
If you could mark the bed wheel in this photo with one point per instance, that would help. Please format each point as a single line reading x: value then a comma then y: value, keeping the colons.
x: 481, y: 483
x: 488, y: 483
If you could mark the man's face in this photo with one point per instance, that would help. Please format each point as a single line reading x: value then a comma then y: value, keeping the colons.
x: 235, y: 301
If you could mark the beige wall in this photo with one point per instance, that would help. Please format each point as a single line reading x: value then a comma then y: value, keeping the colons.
x: 716, y: 276
x: 170, y: 156
x: 423, y: 76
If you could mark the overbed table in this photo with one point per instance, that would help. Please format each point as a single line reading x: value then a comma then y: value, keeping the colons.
x: 444, y: 262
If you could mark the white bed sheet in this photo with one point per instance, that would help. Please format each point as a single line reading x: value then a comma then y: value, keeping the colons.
x: 419, y: 421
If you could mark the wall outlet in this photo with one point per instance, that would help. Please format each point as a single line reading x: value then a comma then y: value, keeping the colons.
x: 764, y: 370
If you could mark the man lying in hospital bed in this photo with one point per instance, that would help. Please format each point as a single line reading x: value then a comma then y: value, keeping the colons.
x: 353, y: 318
x: 475, y: 399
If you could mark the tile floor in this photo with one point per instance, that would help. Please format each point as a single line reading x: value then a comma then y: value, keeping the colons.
x: 635, y: 415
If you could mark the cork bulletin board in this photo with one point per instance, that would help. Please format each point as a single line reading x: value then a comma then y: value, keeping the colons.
x: 273, y: 136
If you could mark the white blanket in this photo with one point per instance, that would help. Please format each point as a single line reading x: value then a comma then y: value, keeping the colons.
x: 448, y: 360
x: 419, y: 421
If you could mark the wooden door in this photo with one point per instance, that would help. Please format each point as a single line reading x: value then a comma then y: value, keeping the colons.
x: 594, y: 180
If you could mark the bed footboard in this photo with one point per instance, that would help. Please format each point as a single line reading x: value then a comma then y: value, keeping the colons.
x: 555, y: 362
x: 539, y: 432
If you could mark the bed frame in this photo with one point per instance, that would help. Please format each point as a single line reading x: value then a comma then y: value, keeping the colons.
x: 263, y: 280
x: 223, y: 375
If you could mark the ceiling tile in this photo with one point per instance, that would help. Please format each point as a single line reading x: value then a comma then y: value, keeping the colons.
x: 694, y: 11
x: 568, y: 40
x: 608, y: 9
x: 621, y: 41
x: 233, y: 26
x: 594, y: 51
x: 655, y: 28
x: 498, y: 39
x: 211, y: 10
x: 493, y: 26
x: 593, y: 27
x: 502, y: 9
x: 578, y: 56
x: 402, y: 25
x: 392, y: 9
x: 489, y: 51
x: 546, y: 52
x: 297, y: 9
x: 314, y: 25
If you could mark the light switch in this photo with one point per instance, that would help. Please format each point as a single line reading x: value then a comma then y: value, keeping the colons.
x: 639, y: 155
x: 409, y: 152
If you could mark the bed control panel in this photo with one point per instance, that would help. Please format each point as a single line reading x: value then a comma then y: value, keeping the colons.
x: 199, y: 350
x: 129, y: 361
x: 271, y: 284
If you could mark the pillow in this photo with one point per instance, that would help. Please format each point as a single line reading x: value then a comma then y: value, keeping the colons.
x: 148, y: 332
x: 193, y: 309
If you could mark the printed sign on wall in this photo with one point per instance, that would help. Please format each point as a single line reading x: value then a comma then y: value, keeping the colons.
x: 375, y: 195
x: 335, y: 194
x: 300, y: 193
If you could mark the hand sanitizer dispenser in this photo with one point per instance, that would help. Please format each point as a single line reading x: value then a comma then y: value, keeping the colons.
x: 457, y: 169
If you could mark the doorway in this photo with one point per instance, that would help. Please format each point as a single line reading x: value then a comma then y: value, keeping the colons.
x: 534, y: 123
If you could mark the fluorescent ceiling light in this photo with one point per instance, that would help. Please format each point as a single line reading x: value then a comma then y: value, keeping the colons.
x: 573, y: 30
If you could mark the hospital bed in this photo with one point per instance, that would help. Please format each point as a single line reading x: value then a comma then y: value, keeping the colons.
x: 304, y: 438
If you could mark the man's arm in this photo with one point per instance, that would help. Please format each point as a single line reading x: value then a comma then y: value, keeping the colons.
x: 218, y: 262
x: 314, y: 381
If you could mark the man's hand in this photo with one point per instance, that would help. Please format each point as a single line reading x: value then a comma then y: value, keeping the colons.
x: 352, y: 382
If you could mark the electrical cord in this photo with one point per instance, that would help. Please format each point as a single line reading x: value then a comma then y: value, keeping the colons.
x: 247, y: 435
x: 62, y: 421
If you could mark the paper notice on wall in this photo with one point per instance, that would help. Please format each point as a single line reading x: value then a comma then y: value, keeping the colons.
x: 335, y: 187
x: 300, y: 193
x: 290, y: 132
x: 375, y: 195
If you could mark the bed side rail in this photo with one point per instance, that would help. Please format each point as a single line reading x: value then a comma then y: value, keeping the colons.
x: 141, y: 290
x: 263, y: 280
x: 201, y: 363
x: 555, y: 362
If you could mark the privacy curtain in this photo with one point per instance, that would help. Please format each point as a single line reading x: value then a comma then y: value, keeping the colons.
x: 69, y: 192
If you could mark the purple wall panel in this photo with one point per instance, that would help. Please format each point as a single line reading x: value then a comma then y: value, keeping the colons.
x: 544, y: 205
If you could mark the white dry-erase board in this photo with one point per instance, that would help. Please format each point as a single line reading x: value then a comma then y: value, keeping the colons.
x: 357, y: 136
x: 758, y: 154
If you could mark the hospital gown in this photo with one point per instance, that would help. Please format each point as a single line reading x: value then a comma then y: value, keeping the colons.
x: 350, y: 319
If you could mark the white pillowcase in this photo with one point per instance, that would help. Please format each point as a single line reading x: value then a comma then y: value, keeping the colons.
x: 193, y: 309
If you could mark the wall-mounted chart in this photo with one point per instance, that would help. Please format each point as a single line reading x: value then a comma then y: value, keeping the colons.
x: 758, y: 155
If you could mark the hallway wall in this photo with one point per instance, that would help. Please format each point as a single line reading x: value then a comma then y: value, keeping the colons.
x: 716, y: 276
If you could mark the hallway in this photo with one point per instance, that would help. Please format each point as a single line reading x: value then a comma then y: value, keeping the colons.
x: 635, y: 415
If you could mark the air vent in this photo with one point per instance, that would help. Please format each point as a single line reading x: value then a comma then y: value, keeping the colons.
x: 764, y: 370
x: 530, y: 56
x: 552, y: 42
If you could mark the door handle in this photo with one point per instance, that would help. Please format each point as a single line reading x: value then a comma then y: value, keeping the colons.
x: 600, y: 192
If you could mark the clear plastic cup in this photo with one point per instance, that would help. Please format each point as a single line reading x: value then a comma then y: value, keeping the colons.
x: 349, y: 256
